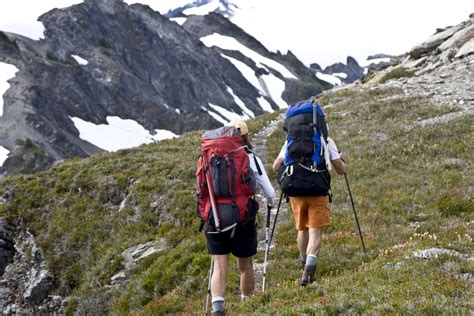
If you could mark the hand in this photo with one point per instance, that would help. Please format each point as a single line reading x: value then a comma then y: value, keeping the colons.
x: 342, y: 157
x: 270, y: 204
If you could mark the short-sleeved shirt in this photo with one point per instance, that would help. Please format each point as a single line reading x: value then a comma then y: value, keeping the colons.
x: 332, y: 148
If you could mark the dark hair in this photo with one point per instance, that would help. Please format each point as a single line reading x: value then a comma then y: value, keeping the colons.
x: 246, y: 140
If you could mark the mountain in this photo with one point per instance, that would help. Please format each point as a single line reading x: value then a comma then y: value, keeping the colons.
x: 116, y: 233
x: 109, y: 75
x: 351, y: 71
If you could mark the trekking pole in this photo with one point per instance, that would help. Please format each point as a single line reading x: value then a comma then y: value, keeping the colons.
x: 355, y: 214
x: 274, y: 222
x: 267, y: 247
x: 209, y: 283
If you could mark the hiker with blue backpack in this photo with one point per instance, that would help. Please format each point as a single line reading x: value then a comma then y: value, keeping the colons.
x: 227, y: 175
x: 303, y: 166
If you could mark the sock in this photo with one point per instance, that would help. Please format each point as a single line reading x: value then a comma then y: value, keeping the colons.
x: 303, y: 257
x: 311, y: 261
x: 217, y: 304
x: 243, y: 297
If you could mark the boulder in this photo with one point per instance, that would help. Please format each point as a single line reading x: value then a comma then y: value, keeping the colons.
x: 466, y: 49
x: 38, y: 286
x: 458, y: 39
x: 433, y: 42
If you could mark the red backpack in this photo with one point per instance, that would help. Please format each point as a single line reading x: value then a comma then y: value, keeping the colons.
x: 225, y: 181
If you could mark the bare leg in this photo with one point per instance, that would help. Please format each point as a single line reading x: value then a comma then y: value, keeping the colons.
x: 219, y: 274
x: 314, y: 242
x: 303, y: 237
x: 247, y: 278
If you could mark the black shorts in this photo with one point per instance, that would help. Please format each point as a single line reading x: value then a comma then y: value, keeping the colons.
x: 242, y: 245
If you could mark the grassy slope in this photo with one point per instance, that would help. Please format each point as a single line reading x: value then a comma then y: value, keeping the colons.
x: 398, y: 176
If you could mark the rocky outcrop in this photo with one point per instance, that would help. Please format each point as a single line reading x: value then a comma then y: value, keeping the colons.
x: 442, y: 68
x: 133, y: 255
x: 25, y: 286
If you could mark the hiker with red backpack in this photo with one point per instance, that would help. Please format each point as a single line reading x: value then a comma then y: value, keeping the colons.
x: 303, y: 166
x: 227, y: 174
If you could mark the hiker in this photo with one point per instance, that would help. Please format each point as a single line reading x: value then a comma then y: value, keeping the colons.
x: 241, y: 240
x: 311, y: 212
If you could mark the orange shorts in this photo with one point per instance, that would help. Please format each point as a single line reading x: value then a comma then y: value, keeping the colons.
x: 310, y: 211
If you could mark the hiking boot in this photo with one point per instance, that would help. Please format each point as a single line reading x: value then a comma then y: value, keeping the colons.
x: 303, y: 263
x: 308, y: 275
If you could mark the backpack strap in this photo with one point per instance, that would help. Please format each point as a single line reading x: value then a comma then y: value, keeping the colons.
x: 248, y: 150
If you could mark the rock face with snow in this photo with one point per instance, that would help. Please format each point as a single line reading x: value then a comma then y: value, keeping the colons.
x: 104, y: 58
x: 351, y: 69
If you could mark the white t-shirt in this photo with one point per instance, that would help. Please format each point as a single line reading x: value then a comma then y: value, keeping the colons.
x: 332, y: 148
x: 262, y: 179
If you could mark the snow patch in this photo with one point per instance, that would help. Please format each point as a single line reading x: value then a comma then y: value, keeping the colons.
x: 180, y: 20
x: 177, y: 111
x: 229, y: 115
x: 246, y: 71
x: 118, y: 133
x: 3, y: 154
x: 80, y: 60
x: 215, y: 116
x: 7, y: 72
x: 268, y: 85
x: 266, y: 106
x: 328, y: 78
x: 241, y: 104
x: 230, y: 43
x: 275, y: 87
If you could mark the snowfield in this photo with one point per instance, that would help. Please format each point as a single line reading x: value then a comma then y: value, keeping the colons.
x: 118, y: 133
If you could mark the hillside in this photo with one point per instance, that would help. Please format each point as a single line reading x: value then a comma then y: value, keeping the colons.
x: 116, y: 233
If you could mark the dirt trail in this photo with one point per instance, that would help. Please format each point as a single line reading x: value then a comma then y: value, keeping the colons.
x: 259, y: 142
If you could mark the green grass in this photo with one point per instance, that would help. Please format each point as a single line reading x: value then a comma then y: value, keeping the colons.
x: 409, y: 196
x: 396, y: 73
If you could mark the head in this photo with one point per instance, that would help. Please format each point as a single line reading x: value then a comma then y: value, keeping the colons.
x: 244, y: 130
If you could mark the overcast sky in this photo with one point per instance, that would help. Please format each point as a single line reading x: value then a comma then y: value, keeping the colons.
x: 315, y: 31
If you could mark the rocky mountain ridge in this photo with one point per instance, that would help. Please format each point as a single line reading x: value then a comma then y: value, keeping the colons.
x: 134, y: 64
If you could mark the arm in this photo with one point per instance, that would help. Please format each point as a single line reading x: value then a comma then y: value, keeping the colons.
x: 277, y: 163
x: 280, y: 159
x: 263, y: 181
x: 337, y: 159
x: 339, y: 165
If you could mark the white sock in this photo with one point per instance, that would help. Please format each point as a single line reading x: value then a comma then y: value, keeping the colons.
x: 217, y: 304
x: 311, y: 261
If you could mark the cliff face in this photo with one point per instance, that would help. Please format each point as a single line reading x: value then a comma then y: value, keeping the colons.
x: 105, y: 58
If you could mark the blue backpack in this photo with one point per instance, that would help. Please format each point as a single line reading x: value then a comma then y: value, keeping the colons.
x: 305, y: 171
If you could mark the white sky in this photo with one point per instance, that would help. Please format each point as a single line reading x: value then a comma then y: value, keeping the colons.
x: 315, y: 31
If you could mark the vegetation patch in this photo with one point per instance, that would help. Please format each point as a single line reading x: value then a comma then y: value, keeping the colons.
x: 85, y: 212
x: 396, y: 73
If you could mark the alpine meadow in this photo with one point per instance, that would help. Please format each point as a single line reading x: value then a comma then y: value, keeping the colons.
x: 116, y: 233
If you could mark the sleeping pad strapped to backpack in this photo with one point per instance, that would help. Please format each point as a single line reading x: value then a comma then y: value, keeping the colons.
x: 305, y: 171
x: 225, y: 181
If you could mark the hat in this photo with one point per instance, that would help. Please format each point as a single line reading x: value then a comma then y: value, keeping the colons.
x: 244, y: 130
